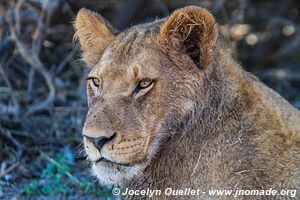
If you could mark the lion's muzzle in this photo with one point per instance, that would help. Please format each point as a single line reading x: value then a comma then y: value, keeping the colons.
x: 94, y: 144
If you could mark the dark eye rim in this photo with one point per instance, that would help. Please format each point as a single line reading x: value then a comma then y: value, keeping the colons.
x: 151, y: 81
x: 138, y: 87
x: 93, y: 81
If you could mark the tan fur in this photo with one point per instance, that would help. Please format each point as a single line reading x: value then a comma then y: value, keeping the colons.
x: 190, y: 22
x: 94, y: 34
x: 202, y: 125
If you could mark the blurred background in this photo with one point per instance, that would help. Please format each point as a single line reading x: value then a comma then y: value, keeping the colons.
x: 42, y: 81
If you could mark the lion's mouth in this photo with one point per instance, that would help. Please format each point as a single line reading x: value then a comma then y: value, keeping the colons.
x: 103, y: 160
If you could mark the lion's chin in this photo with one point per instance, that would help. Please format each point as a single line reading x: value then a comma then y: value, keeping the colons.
x: 114, y: 174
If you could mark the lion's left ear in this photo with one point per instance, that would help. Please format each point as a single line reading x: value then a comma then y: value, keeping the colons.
x: 192, y: 31
x: 94, y: 34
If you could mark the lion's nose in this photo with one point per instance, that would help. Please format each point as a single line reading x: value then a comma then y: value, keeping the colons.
x: 99, y: 142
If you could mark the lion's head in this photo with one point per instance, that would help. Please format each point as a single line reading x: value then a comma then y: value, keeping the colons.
x: 142, y: 84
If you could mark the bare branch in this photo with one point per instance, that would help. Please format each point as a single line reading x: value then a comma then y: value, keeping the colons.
x: 34, y: 61
x: 16, y: 107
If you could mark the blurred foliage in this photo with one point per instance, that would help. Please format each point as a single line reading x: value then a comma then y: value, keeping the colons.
x: 56, y: 178
x: 42, y: 81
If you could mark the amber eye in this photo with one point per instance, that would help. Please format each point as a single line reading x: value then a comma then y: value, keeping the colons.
x: 143, y: 87
x: 96, y: 82
x: 145, y: 83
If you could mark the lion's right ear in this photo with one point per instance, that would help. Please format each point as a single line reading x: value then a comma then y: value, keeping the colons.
x: 191, y: 31
x: 94, y: 34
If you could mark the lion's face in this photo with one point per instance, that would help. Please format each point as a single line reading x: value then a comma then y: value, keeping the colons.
x: 137, y: 96
x: 128, y: 105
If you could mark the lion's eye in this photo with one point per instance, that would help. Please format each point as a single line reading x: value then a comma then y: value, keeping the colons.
x: 96, y: 82
x: 145, y: 83
x: 143, y: 87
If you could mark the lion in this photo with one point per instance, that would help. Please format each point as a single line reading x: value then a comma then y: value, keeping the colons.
x: 169, y: 107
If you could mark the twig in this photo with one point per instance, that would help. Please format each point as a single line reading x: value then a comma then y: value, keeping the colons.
x: 16, y: 107
x: 40, y: 30
x: 8, y: 135
x: 9, y: 169
x: 29, y: 84
x: 17, y: 15
x: 39, y: 37
x: 60, y: 166
x: 43, y: 23
x: 66, y: 60
x: 34, y: 61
